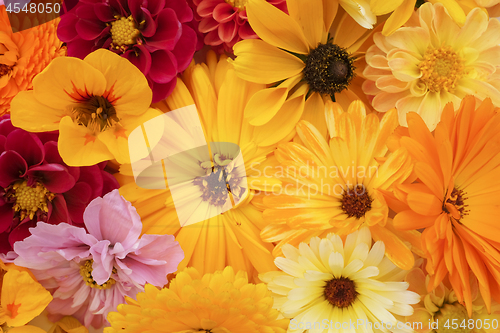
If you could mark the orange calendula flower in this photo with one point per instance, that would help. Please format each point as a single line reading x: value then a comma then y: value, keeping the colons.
x: 94, y: 103
x: 23, y: 55
x: 455, y: 199
x: 316, y: 50
x: 333, y: 186
x: 432, y: 61
x: 22, y: 298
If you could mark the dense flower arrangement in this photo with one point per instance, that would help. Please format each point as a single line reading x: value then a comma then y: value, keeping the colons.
x: 241, y: 166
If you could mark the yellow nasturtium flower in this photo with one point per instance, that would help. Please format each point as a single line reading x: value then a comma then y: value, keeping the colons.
x: 21, y: 299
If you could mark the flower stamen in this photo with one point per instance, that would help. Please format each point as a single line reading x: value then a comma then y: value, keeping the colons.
x: 340, y: 292
x: 124, y: 32
x: 97, y: 114
x: 455, y: 204
x: 28, y: 200
x: 86, y: 273
x: 356, y: 201
x: 5, y: 70
x: 441, y: 69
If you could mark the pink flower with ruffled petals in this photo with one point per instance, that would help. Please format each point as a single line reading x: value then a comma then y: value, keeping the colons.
x: 156, y: 36
x: 90, y: 273
x: 225, y: 22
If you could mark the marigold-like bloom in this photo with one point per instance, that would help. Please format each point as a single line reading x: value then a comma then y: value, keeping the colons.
x: 222, y: 99
x: 21, y: 299
x: 333, y: 186
x: 23, y: 55
x: 440, y: 310
x: 455, y: 199
x: 225, y: 22
x: 89, y: 274
x: 68, y: 325
x: 154, y: 35
x: 218, y: 302
x: 36, y: 185
x: 307, y: 51
x: 94, y: 103
x: 331, y: 281
x: 432, y: 61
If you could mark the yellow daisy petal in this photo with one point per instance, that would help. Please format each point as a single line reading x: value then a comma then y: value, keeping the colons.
x: 309, y: 15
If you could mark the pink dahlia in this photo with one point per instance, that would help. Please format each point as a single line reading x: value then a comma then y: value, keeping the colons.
x: 154, y: 35
x: 225, y: 22
x: 90, y: 273
x: 36, y: 185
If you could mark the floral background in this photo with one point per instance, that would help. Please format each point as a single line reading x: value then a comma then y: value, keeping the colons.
x: 338, y: 166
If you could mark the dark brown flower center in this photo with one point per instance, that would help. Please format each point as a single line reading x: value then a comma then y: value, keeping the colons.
x: 96, y: 113
x: 455, y: 204
x: 329, y: 69
x: 340, y: 292
x: 356, y: 201
x: 28, y: 200
x: 5, y: 70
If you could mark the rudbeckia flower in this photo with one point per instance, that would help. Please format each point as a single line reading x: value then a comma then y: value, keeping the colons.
x: 231, y: 238
x: 331, y: 281
x: 333, y: 186
x: 432, y: 61
x: 316, y: 50
x: 94, y: 103
x: 218, y: 302
x: 455, y: 200
x: 36, y: 185
x: 154, y: 35
x: 21, y: 299
x: 439, y: 310
x: 225, y: 23
x: 23, y: 55
x: 90, y: 273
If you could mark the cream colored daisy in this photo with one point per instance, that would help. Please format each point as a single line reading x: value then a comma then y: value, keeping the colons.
x: 330, y: 285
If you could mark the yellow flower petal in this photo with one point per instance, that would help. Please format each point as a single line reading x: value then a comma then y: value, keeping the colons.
x: 264, y: 105
x: 31, y: 115
x: 330, y: 9
x: 395, y: 249
x: 313, y: 113
x: 126, y: 87
x: 360, y: 11
x: 73, y: 76
x: 275, y: 27
x: 309, y: 15
x: 22, y: 298
x: 259, y: 62
x: 399, y: 17
x: 381, y: 7
x: 78, y: 147
x: 26, y: 329
x: 453, y: 9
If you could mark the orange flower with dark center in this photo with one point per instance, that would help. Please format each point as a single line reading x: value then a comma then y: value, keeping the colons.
x: 455, y: 199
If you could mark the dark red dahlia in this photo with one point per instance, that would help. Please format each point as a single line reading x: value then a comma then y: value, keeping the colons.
x: 225, y: 22
x: 155, y: 35
x: 36, y: 185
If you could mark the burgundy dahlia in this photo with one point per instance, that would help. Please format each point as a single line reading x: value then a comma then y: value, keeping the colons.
x: 36, y: 185
x: 225, y: 22
x: 155, y: 35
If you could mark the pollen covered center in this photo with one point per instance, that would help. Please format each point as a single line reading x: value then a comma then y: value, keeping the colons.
x: 340, y: 292
x: 329, y: 69
x: 5, y: 70
x: 240, y: 4
x: 124, y: 31
x: 441, y: 69
x: 86, y: 273
x: 28, y: 200
x: 356, y: 201
x: 455, y: 205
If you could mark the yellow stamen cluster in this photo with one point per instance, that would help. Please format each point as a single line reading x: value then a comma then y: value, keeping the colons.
x: 441, y: 69
x: 455, y: 312
x: 124, y: 31
x: 97, y: 114
x: 240, y: 4
x: 30, y: 199
x: 86, y: 273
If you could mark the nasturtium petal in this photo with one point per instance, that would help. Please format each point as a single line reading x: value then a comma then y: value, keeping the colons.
x: 31, y: 115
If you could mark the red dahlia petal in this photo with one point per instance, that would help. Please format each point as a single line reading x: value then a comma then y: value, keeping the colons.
x: 149, y: 24
x: 185, y: 47
x: 66, y: 30
x: 12, y: 167
x: 140, y: 57
x: 27, y: 145
x: 224, y: 13
x: 168, y: 31
x: 104, y: 12
x: 6, y: 215
x: 227, y: 31
x: 163, y: 66
x: 161, y: 91
x: 155, y: 7
x: 208, y: 24
x: 182, y: 9
x: 206, y: 7
x: 54, y: 177
x: 89, y: 30
x: 77, y: 200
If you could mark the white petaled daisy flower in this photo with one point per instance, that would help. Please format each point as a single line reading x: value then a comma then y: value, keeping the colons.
x: 333, y: 286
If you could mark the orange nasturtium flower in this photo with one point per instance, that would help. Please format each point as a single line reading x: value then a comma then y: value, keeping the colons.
x: 94, y: 103
x: 21, y: 299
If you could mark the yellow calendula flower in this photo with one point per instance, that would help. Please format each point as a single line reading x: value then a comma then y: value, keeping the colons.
x: 21, y: 299
x: 334, y: 186
x: 222, y: 302
x: 316, y: 50
x: 94, y: 103
x: 221, y: 237
x: 432, y: 61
